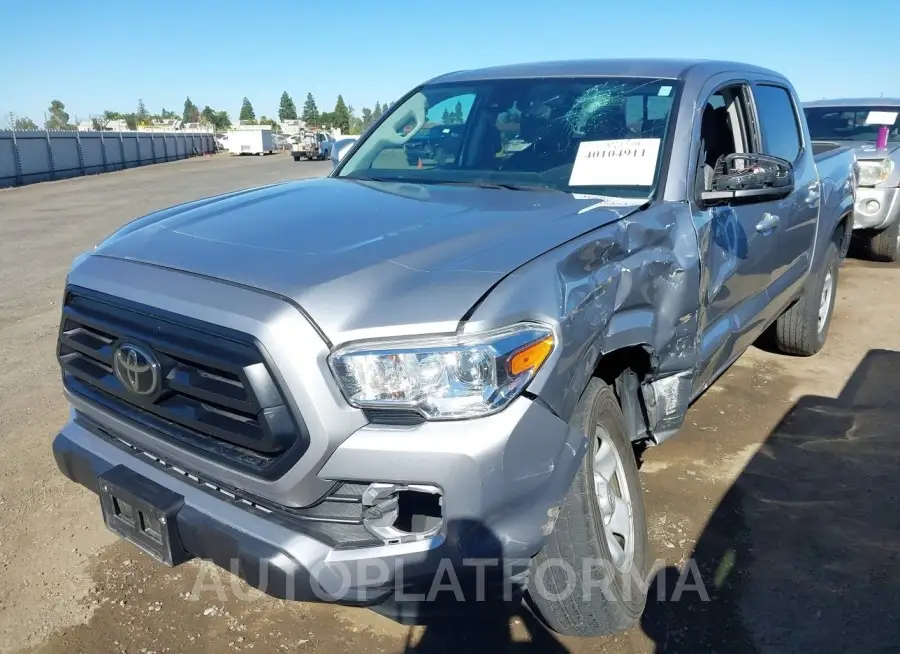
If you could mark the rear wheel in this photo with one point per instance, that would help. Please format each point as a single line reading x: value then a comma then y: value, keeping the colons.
x: 885, y: 245
x: 803, y: 328
x: 588, y: 578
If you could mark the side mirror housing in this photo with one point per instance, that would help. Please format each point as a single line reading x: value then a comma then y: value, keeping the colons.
x: 339, y: 149
x: 748, y: 178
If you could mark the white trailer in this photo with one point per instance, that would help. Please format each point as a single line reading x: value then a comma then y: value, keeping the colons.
x: 251, y: 139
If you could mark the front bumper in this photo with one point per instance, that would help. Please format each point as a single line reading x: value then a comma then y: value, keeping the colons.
x: 500, y: 478
x: 867, y: 215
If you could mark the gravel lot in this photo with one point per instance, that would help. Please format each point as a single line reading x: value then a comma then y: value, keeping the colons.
x: 782, y: 486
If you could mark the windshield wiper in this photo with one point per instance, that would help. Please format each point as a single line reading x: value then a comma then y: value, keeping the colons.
x: 440, y: 182
x: 494, y: 185
x: 371, y: 178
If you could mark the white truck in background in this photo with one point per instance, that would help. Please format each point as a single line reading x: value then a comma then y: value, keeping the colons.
x: 250, y: 139
x: 312, y: 145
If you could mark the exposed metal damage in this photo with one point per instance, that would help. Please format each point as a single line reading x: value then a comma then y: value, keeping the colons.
x: 633, y: 283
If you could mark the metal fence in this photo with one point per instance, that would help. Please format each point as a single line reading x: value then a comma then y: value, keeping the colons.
x: 33, y: 156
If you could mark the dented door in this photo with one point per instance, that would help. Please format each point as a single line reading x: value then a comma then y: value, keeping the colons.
x: 737, y: 255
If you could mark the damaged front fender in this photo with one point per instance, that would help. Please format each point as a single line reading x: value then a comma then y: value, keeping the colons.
x: 634, y: 282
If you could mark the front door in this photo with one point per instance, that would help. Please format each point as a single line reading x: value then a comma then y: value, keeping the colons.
x: 738, y: 243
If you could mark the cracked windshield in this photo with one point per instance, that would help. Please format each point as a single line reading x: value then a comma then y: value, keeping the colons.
x: 590, y: 136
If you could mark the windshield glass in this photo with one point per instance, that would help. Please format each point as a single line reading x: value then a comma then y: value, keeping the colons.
x: 852, y: 123
x: 597, y: 135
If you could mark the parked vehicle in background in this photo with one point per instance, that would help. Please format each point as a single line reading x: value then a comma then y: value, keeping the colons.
x: 313, y: 145
x: 860, y: 123
x: 281, y: 141
x: 250, y: 139
x: 348, y: 383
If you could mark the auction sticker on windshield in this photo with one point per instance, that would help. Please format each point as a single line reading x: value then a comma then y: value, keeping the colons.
x: 620, y: 162
x: 882, y: 117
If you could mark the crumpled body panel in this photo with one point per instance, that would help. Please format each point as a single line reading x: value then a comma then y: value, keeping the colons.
x: 634, y: 282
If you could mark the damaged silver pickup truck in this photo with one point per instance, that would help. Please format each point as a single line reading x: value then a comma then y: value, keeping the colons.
x: 410, y: 376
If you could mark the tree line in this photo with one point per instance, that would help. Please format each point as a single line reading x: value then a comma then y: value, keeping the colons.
x: 342, y: 117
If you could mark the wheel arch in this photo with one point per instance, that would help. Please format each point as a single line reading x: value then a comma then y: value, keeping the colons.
x: 843, y: 233
x: 626, y: 370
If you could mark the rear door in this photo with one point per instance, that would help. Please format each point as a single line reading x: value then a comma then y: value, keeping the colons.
x: 797, y: 215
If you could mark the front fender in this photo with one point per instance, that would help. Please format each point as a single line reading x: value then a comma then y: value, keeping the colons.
x: 634, y: 282
x: 837, y: 198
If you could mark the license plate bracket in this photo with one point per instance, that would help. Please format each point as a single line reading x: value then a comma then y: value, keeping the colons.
x: 142, y: 512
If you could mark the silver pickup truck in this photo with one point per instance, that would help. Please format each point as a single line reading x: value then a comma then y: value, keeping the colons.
x: 860, y: 123
x: 403, y: 378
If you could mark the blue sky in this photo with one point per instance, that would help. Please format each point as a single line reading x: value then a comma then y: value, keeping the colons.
x: 106, y: 56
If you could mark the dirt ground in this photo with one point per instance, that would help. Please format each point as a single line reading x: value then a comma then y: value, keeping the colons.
x: 782, y: 485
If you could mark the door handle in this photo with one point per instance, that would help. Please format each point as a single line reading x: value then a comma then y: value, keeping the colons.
x: 813, y: 190
x: 768, y: 223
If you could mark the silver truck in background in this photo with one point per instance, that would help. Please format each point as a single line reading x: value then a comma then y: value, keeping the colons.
x: 872, y: 127
x: 341, y: 388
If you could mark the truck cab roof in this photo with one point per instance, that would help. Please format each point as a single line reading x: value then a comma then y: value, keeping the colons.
x: 683, y: 69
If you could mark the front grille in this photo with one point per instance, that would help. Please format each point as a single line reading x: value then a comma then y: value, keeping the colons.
x: 216, y: 392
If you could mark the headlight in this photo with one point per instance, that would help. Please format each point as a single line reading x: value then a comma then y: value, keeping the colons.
x: 443, y: 378
x: 872, y: 173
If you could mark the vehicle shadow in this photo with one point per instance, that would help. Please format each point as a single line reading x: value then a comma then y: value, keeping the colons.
x: 476, y: 633
x: 477, y: 609
x: 803, y: 553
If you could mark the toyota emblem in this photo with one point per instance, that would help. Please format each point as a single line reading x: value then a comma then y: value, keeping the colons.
x: 136, y: 368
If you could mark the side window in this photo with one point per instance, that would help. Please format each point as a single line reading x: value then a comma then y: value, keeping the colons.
x: 723, y: 131
x: 778, y: 121
x: 647, y: 115
x: 452, y: 111
x: 634, y: 112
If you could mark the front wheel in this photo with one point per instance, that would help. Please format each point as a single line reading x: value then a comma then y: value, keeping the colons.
x: 589, y: 577
x: 803, y: 328
x: 885, y: 245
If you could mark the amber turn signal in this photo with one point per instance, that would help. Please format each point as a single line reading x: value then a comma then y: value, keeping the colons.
x: 531, y: 356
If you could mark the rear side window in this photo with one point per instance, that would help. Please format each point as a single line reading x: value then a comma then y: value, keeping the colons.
x: 778, y: 119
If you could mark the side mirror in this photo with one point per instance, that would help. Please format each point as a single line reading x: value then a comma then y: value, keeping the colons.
x: 340, y: 148
x: 748, y: 178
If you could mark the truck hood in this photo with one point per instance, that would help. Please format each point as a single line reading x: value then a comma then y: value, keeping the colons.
x: 361, y: 256
x: 867, y: 149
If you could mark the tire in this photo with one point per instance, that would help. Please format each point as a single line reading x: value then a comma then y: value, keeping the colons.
x: 579, y: 536
x: 799, y: 330
x: 885, y: 245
